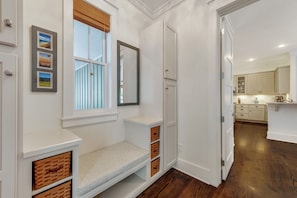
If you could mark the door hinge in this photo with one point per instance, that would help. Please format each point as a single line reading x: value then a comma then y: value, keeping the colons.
x: 222, y: 163
x: 222, y: 119
x: 222, y: 75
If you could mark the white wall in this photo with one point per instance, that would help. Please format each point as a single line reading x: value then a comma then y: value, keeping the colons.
x: 282, y: 124
x: 42, y: 112
x: 190, y: 19
x: 198, y: 83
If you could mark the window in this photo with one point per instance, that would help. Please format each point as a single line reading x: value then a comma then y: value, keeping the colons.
x: 90, y: 64
x: 89, y: 70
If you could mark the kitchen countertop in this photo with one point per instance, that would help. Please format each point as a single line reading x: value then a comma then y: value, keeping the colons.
x: 282, y: 103
x: 250, y: 104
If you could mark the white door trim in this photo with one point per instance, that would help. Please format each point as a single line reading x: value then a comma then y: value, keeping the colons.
x: 217, y: 8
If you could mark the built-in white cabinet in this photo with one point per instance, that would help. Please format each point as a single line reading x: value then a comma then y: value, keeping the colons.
x: 50, y: 164
x: 170, y: 56
x: 8, y: 126
x: 170, y: 123
x: 282, y: 80
x: 158, y: 83
x: 147, y: 133
x: 261, y: 83
x: 8, y: 22
x: 251, y: 112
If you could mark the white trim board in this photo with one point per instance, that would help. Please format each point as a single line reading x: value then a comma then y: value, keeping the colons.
x: 198, y: 172
x: 282, y: 136
x: 153, y: 14
x: 217, y: 9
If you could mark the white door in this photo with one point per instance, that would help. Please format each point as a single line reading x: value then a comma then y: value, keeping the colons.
x: 170, y: 53
x: 227, y: 99
x: 170, y: 123
x: 8, y: 103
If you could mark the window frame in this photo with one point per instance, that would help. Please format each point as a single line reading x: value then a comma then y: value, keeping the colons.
x: 72, y: 117
x: 92, y: 62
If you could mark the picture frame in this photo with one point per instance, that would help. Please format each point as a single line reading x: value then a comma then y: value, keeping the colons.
x: 44, y: 40
x: 44, y: 80
x: 44, y: 60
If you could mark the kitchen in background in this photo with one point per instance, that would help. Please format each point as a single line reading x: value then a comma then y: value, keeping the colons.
x: 253, y: 91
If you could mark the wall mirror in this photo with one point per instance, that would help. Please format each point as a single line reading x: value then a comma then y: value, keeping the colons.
x: 128, y: 74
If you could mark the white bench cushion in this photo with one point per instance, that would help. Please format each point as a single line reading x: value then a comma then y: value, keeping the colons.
x: 100, y: 166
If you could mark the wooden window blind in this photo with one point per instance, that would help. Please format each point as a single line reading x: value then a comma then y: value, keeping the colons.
x: 90, y: 15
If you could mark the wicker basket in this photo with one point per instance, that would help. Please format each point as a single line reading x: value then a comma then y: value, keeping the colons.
x: 49, y: 170
x: 155, y: 133
x: 61, y: 191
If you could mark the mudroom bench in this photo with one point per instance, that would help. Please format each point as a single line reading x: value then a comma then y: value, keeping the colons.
x: 108, y: 167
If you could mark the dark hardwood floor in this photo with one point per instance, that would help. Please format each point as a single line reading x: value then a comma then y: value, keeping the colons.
x: 262, y: 168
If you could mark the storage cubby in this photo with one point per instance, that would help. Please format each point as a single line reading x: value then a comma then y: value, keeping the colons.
x: 147, y: 133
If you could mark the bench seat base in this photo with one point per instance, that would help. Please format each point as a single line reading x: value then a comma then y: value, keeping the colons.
x: 103, y: 168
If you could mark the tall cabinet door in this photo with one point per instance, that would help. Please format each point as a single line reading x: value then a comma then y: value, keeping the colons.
x: 8, y: 22
x: 170, y: 53
x: 8, y: 103
x: 170, y: 123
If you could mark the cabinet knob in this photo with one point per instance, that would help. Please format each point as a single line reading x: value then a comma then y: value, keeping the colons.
x: 166, y: 70
x: 8, y: 23
x: 8, y: 73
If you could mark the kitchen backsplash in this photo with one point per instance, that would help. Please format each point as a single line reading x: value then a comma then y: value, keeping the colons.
x: 251, y: 99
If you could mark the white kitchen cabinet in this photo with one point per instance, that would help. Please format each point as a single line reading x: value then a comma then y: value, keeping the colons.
x: 170, y: 53
x: 240, y: 84
x: 256, y: 112
x: 241, y: 111
x: 251, y: 113
x: 8, y: 22
x: 267, y: 84
x: 254, y: 83
x: 261, y: 83
x: 282, y: 80
x: 170, y: 123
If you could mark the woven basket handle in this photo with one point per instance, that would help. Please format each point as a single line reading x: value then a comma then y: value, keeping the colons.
x: 54, y: 170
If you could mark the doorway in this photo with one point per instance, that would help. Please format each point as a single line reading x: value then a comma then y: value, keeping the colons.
x: 217, y: 9
x: 278, y: 62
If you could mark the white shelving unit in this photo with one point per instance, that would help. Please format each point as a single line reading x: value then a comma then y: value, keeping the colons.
x: 39, y: 146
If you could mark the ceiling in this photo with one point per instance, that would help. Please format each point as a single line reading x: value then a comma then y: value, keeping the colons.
x: 155, y: 4
x: 259, y: 29
x: 154, y: 8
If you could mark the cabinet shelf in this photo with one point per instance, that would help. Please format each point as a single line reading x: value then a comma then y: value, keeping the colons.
x: 129, y: 187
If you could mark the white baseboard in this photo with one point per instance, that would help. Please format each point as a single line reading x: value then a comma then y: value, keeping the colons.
x: 198, y: 172
x: 284, y: 137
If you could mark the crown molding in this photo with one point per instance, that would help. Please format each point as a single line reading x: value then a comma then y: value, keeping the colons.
x: 153, y: 14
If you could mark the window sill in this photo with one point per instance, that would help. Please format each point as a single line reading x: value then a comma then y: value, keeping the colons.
x: 89, y: 119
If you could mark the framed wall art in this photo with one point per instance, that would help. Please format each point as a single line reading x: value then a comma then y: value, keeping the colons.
x: 44, y: 60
